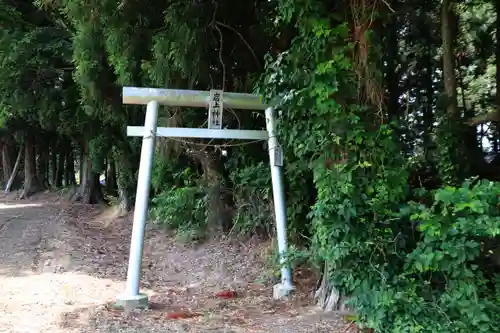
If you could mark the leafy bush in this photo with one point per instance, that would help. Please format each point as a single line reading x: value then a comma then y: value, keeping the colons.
x: 447, y: 281
x: 171, y: 173
x: 179, y: 208
x: 182, y: 209
x: 252, y: 195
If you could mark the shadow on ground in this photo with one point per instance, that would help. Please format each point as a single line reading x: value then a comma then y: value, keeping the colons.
x: 22, y: 235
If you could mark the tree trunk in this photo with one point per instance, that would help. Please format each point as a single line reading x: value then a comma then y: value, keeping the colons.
x: 111, y: 185
x: 392, y: 76
x: 13, y: 175
x: 125, y: 179
x: 497, y: 7
x: 43, y: 166
x: 450, y: 140
x: 7, y: 166
x: 449, y: 78
x: 31, y: 182
x: 219, y: 200
x: 428, y: 113
x: 59, y: 171
x: 473, y: 152
x: 123, y: 195
x: 327, y: 296
x: 53, y: 165
x: 89, y: 191
x: 69, y: 171
x: 80, y: 166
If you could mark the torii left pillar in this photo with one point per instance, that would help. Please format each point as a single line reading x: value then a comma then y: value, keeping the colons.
x: 131, y: 298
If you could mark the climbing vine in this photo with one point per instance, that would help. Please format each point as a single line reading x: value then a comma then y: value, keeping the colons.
x: 370, y: 225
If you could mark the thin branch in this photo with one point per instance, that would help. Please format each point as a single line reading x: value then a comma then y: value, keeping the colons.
x: 491, y: 116
x: 241, y: 37
x: 220, y: 57
x: 388, y: 6
x: 214, y: 25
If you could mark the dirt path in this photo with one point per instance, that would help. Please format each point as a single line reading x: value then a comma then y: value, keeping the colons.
x: 59, y: 271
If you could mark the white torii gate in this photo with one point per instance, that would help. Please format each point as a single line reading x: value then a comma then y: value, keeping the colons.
x: 216, y: 100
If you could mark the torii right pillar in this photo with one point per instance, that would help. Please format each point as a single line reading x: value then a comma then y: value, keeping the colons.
x: 284, y: 288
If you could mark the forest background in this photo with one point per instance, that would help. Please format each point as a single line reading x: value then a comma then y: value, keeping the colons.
x: 388, y: 120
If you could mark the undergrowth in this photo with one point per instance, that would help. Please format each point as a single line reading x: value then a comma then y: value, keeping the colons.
x: 181, y: 201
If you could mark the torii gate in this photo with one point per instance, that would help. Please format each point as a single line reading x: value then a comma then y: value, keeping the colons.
x: 215, y: 100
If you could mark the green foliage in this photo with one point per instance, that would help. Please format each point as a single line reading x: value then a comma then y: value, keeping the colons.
x: 182, y: 209
x: 449, y: 151
x: 252, y: 194
x: 400, y: 279
x: 445, y: 284
x: 180, y: 203
x: 30, y: 93
x: 296, y: 258
x: 168, y: 173
x: 162, y: 175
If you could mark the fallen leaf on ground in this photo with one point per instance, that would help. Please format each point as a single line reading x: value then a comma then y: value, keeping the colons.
x: 227, y: 294
x: 182, y: 315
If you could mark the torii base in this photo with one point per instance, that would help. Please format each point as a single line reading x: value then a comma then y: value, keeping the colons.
x: 132, y: 302
x: 281, y: 291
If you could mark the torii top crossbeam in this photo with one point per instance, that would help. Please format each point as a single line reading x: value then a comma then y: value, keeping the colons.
x: 195, y: 98
x: 190, y: 98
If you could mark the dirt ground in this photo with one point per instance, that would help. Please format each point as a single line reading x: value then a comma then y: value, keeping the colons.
x: 60, y: 270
